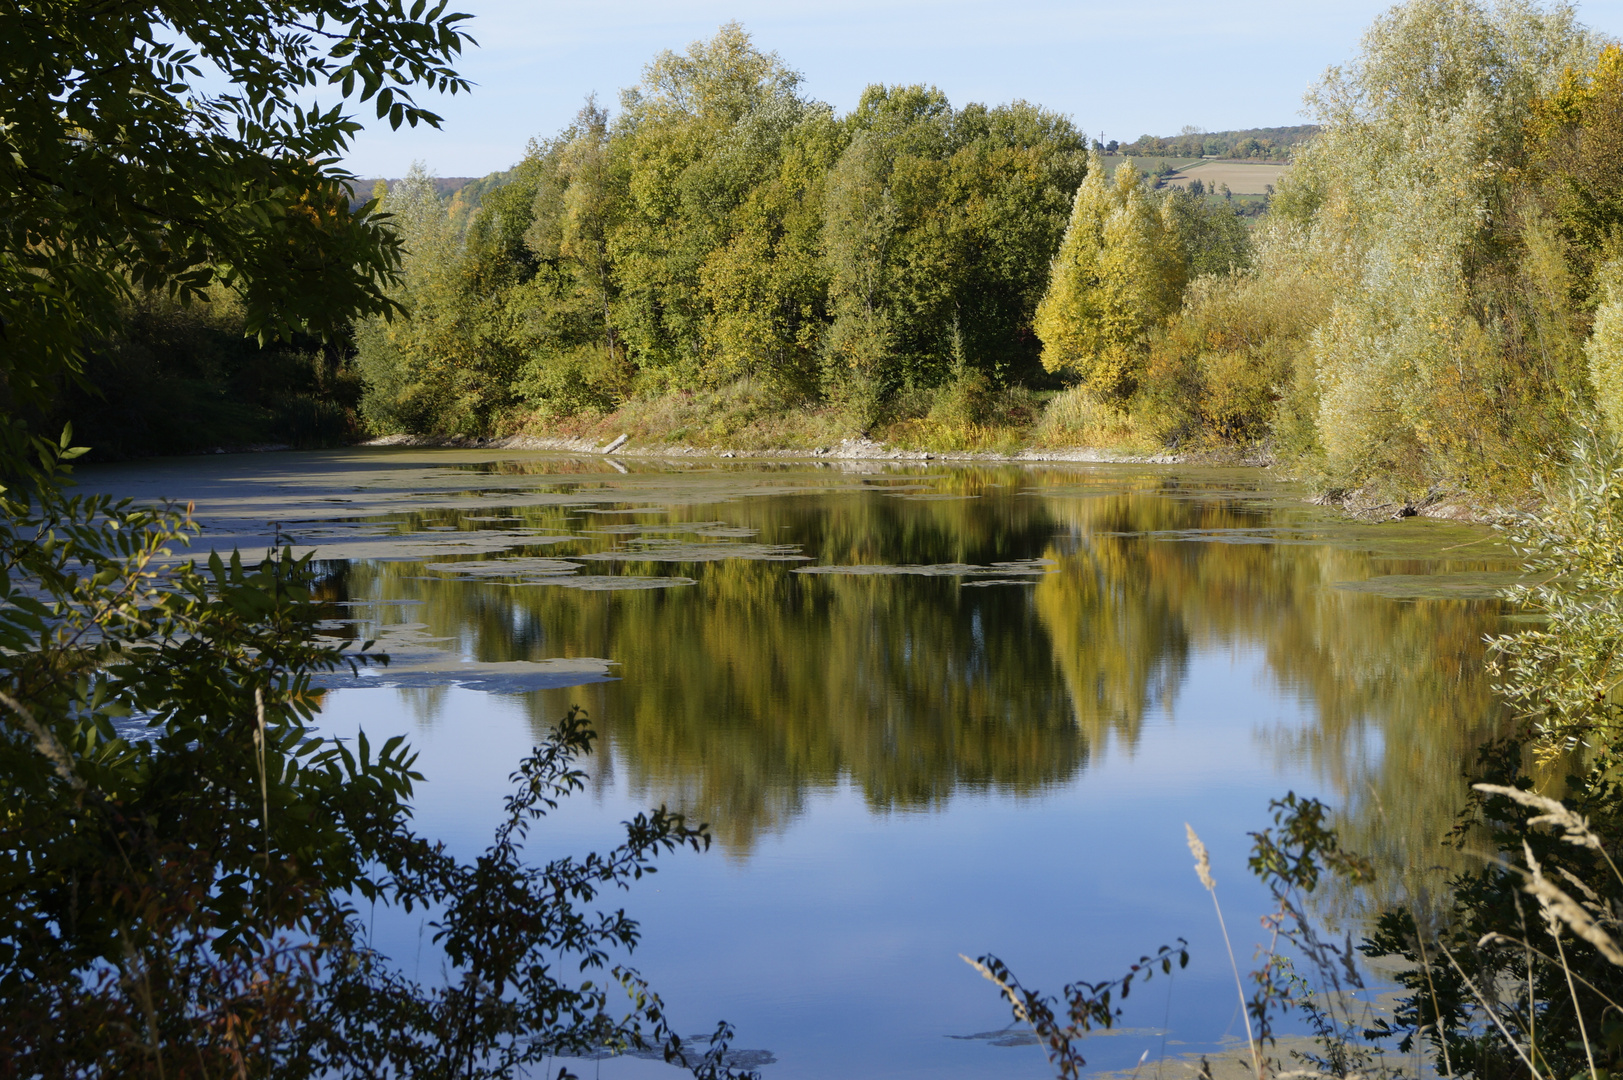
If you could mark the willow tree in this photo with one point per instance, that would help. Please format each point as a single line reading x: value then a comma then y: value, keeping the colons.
x: 1120, y: 271
x: 1577, y: 155
x: 1447, y: 354
x: 1604, y: 349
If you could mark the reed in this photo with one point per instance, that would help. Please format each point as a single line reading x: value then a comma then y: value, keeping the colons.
x: 1203, y: 870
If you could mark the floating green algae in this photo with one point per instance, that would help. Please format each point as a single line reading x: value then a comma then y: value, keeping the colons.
x: 685, y: 551
x: 1479, y: 585
x: 1031, y: 567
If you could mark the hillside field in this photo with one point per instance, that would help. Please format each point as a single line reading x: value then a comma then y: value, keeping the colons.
x: 1148, y: 163
x: 1242, y: 178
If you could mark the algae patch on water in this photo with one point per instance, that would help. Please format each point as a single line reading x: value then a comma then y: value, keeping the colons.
x: 389, y: 542
x: 561, y: 572
x: 1476, y: 585
x: 686, y: 551
x: 1015, y: 568
x: 506, y: 568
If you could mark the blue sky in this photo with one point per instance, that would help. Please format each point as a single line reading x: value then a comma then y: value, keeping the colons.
x: 1122, y: 68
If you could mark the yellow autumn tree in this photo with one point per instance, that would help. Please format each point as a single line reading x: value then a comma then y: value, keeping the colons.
x: 1119, y: 272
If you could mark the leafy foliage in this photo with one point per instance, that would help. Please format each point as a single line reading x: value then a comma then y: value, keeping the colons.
x: 181, y: 851
x: 1119, y: 272
x: 724, y: 227
x: 122, y: 171
x: 1084, y: 1006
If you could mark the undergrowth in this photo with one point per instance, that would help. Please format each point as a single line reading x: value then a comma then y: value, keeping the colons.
x: 965, y: 416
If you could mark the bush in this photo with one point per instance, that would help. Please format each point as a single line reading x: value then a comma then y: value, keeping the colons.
x: 1075, y: 417
x: 968, y: 399
x: 1219, y: 371
x: 584, y: 379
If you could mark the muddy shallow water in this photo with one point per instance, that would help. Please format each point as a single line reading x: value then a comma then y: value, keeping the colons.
x: 926, y: 709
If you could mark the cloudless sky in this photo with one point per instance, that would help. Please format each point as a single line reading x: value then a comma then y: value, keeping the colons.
x: 1123, y: 68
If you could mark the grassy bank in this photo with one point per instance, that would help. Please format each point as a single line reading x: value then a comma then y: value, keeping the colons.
x: 967, y: 416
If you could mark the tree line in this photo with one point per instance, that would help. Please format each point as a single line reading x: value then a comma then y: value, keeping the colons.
x: 1260, y: 144
x: 723, y: 226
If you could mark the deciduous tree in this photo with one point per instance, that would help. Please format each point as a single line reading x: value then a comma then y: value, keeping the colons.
x: 1119, y: 272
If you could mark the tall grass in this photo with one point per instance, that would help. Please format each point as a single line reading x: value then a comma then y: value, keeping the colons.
x: 1075, y: 417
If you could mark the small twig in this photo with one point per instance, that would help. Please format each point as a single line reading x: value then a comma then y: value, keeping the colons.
x: 46, y: 742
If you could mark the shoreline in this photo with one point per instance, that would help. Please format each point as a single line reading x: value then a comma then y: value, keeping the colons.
x: 1436, y: 505
x: 858, y: 449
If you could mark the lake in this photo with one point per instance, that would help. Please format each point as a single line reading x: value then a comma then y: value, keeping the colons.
x: 926, y: 709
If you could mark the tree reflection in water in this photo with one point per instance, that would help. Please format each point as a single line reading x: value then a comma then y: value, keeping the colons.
x: 757, y: 684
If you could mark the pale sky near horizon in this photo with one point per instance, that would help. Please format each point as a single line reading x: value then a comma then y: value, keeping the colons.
x: 1117, y: 68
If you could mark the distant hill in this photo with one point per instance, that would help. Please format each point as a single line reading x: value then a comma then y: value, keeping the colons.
x: 1249, y: 144
x: 465, y: 200
x: 445, y: 185
x: 461, y: 193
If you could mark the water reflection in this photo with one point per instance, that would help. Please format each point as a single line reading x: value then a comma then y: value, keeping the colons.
x: 1005, y: 627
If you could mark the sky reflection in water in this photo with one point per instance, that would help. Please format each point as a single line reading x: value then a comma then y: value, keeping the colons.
x: 925, y: 711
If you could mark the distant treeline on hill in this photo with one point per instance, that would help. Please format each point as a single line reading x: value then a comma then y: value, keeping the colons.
x: 1260, y: 144
x: 445, y: 185
x: 463, y: 193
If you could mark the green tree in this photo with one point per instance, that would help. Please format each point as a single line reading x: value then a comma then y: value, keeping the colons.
x: 124, y: 169
x: 404, y: 360
x: 883, y: 182
x: 938, y: 230
x: 767, y: 289
x: 686, y: 143
x: 1010, y: 183
x: 578, y: 358
x: 1214, y: 238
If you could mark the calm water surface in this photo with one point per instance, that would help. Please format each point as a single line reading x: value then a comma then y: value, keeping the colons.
x: 925, y: 710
